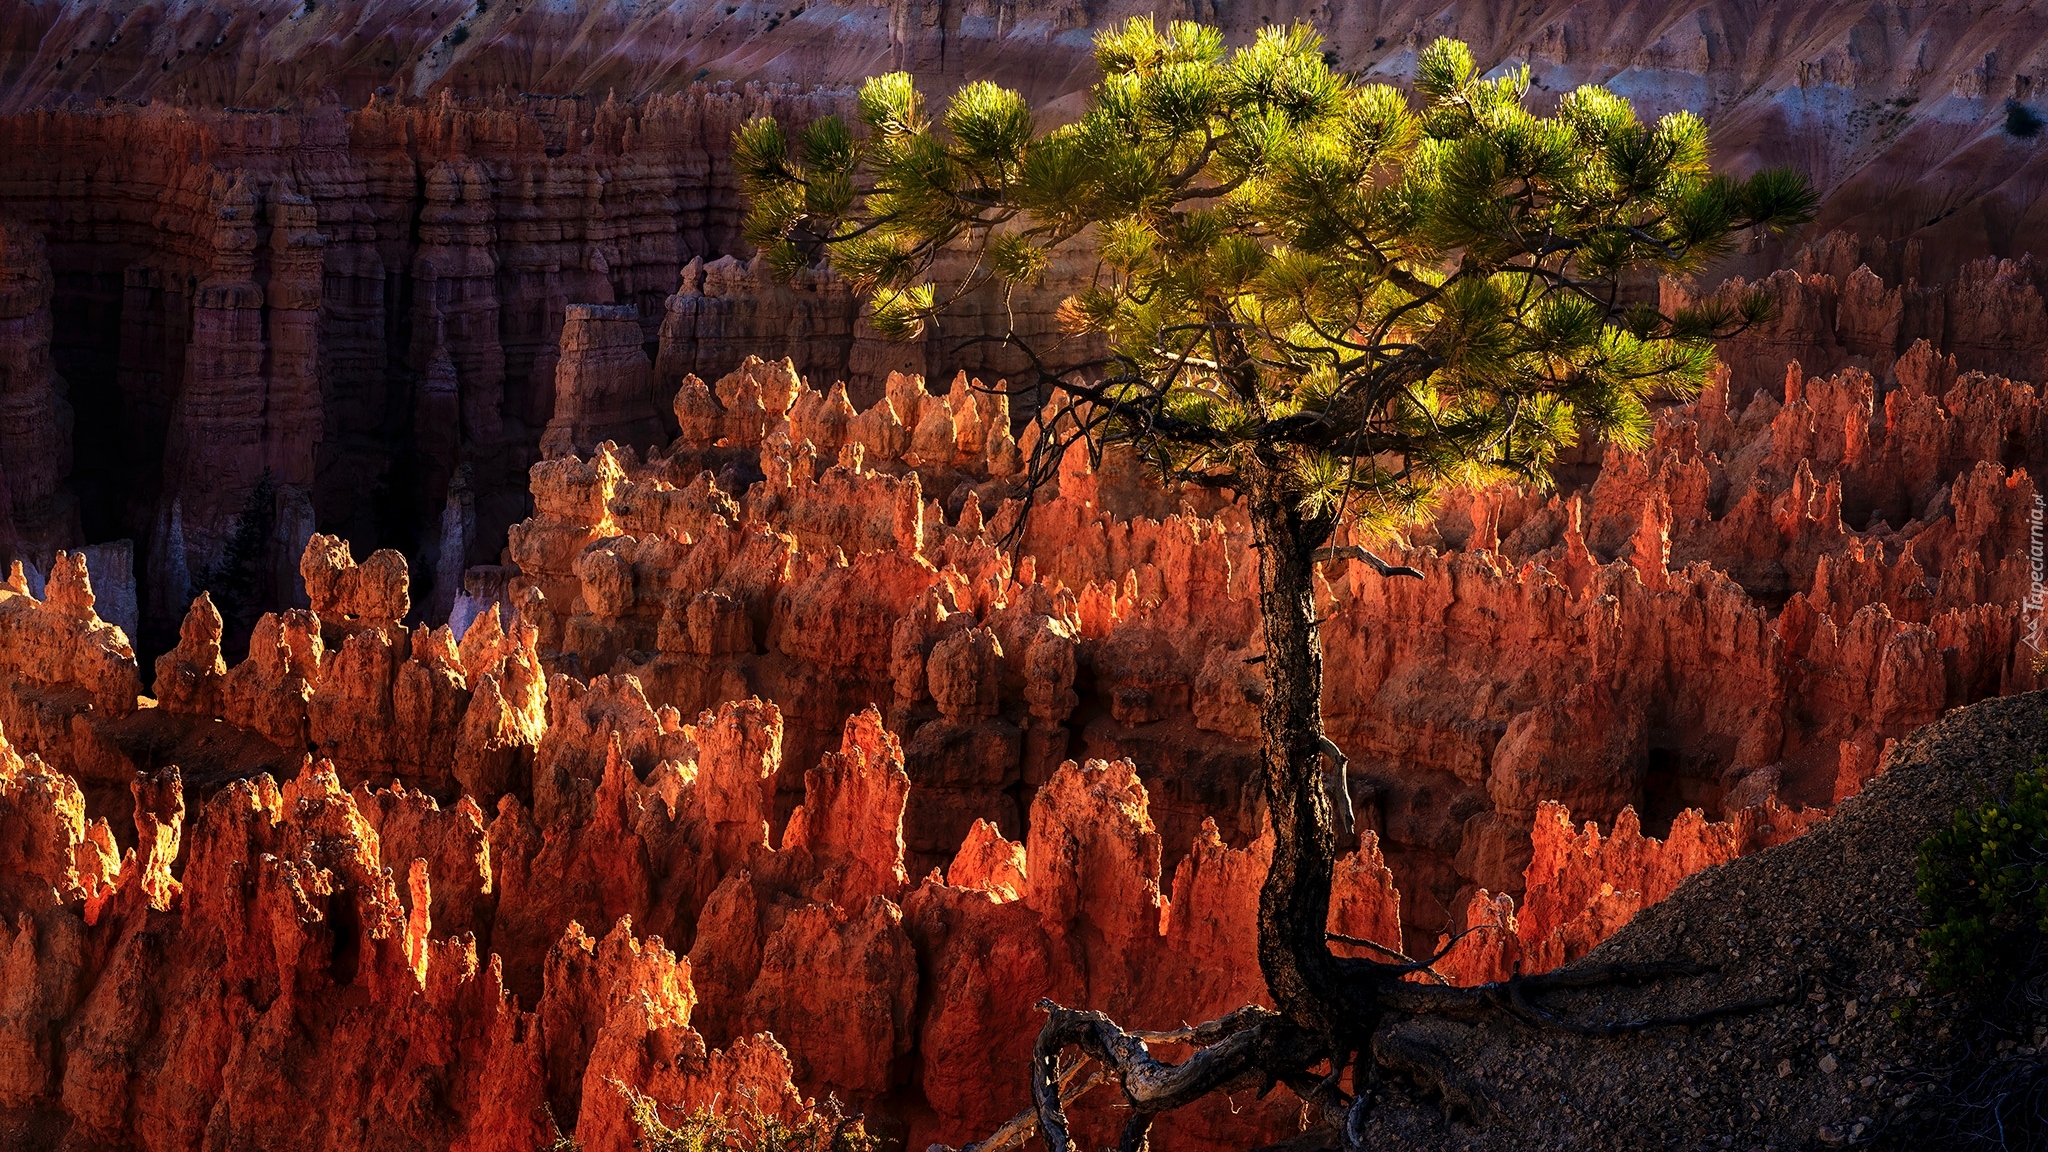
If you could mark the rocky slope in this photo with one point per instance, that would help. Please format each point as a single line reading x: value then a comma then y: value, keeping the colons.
x: 1863, y: 1051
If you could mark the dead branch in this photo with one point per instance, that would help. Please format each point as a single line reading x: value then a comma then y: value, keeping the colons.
x: 1209, y: 1032
x: 1246, y: 1047
x: 1354, y: 552
x: 1361, y: 942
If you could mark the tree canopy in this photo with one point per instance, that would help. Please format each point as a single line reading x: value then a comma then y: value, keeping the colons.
x: 1367, y: 293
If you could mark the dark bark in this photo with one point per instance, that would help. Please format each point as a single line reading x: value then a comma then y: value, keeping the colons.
x: 1252, y: 1047
x: 1301, y: 973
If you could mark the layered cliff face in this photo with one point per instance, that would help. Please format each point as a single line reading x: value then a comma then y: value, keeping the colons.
x: 984, y: 778
x: 1854, y: 94
x: 341, y: 239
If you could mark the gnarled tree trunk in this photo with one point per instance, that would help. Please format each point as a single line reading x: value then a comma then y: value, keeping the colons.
x: 1294, y: 904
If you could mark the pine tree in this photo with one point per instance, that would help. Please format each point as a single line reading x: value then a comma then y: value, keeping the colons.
x: 1330, y: 298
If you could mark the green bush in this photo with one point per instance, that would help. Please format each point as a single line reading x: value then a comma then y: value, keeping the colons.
x: 1984, y: 883
x: 747, y: 1128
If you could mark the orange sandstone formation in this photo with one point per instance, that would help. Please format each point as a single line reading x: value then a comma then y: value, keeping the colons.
x: 329, y: 956
x: 986, y: 778
x: 1616, y: 646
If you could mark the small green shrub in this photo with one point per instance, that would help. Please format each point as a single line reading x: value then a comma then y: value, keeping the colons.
x: 460, y: 34
x: 2021, y: 121
x: 747, y: 1128
x: 1984, y: 883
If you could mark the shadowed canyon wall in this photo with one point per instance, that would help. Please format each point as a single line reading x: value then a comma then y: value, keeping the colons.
x: 271, y: 324
x: 357, y: 307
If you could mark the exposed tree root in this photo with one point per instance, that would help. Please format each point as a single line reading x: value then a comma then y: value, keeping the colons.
x: 1251, y: 1046
x: 1255, y: 1047
x: 1515, y: 997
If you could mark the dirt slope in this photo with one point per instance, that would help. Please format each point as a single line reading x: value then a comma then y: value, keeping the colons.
x: 1852, y: 1060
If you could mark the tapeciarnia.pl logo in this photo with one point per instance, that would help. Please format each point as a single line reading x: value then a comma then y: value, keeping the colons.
x: 2036, y: 621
